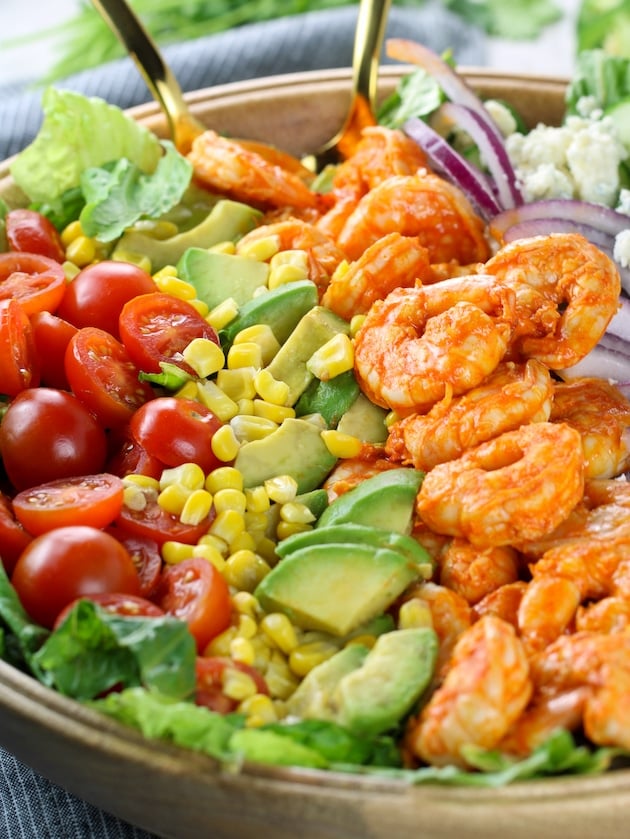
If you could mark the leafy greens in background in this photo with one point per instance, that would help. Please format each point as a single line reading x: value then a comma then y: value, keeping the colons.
x: 86, y: 41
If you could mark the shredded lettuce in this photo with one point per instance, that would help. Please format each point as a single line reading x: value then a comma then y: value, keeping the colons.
x: 605, y: 78
x: 416, y: 95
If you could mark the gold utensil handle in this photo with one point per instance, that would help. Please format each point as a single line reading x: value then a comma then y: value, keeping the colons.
x: 370, y: 32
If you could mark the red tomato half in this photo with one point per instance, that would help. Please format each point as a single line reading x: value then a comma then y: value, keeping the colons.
x: 95, y: 297
x: 176, y: 431
x: 94, y: 500
x: 157, y: 327
x: 103, y: 377
x: 154, y: 522
x: 13, y: 537
x: 52, y: 335
x: 67, y: 563
x: 210, y: 674
x: 30, y: 231
x: 19, y: 368
x: 130, y: 458
x: 146, y: 557
x: 194, y: 591
x: 48, y: 434
x: 37, y: 282
x: 128, y: 605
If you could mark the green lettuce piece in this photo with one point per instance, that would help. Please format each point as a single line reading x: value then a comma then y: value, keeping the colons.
x: 4, y: 209
x: 516, y: 20
x: 417, y: 95
x: 21, y: 637
x: 117, y: 196
x: 79, y: 132
x: 93, y: 650
x: 604, y: 77
x: 605, y: 24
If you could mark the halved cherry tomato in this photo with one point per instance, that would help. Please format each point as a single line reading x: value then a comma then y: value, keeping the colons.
x: 37, y: 282
x: 18, y: 354
x: 129, y: 605
x: 157, y: 327
x: 177, y: 430
x: 103, y: 377
x: 47, y: 434
x: 30, y: 231
x: 194, y: 591
x: 94, y: 500
x: 130, y: 458
x: 210, y: 674
x: 69, y: 562
x: 154, y: 522
x: 13, y: 537
x: 146, y: 557
x: 52, y: 335
x: 96, y: 296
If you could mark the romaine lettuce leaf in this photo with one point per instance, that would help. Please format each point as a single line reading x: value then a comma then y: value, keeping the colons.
x: 417, y: 95
x: 79, y: 132
x: 21, y: 636
x: 604, y: 77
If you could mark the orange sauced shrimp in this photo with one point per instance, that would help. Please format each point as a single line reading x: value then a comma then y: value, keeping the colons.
x: 485, y: 691
x: 567, y: 292
x: 511, y: 396
x: 351, y: 471
x: 226, y: 167
x: 601, y: 414
x: 519, y: 486
x: 422, y: 205
x: 392, y: 262
x: 295, y: 234
x: 503, y: 602
x: 419, y: 344
x: 610, y: 614
x: 545, y: 714
x: 474, y: 572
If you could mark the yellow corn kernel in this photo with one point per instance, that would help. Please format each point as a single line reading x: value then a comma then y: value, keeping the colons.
x: 257, y: 499
x: 256, y: 523
x: 188, y: 475
x: 276, y: 413
x: 243, y: 542
x: 281, y: 489
x: 204, y: 356
x: 215, y: 542
x: 244, y: 570
x: 224, y: 444
x: 174, y: 552
x: 245, y: 407
x: 414, y: 613
x: 218, y: 402
x: 165, y: 271
x: 228, y: 525
x: 294, y: 512
x: 364, y: 640
x: 262, y: 651
x: 222, y: 313
x: 196, y: 507
x: 245, y: 603
x: 224, y: 477
x: 139, y: 259
x: 247, y: 428
x: 134, y: 497
x: 71, y: 232
x: 142, y: 481
x: 259, y: 709
x: 336, y: 356
x: 238, y: 383
x: 247, y: 354
x: 189, y: 390
x: 200, y: 306
x: 287, y: 273
x: 172, y: 498
x: 391, y: 418
x: 241, y: 649
x: 259, y: 249
x: 356, y: 322
x: 261, y: 334
x: 210, y: 554
x: 340, y: 444
x: 238, y: 685
x: 230, y: 499
x: 156, y: 229
x: 270, y: 389
x: 305, y: 657
x: 286, y: 529
x: 279, y: 629
x: 70, y: 270
x: 220, y: 644
x: 247, y: 627
x: 175, y: 286
x: 81, y: 251
x: 297, y: 258
x: 280, y: 680
x: 266, y: 548
x: 228, y: 247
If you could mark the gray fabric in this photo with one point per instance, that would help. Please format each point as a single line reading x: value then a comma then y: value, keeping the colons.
x: 311, y: 41
x: 31, y: 807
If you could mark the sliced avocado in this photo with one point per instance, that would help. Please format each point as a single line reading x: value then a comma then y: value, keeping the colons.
x: 331, y: 399
x: 281, y: 309
x: 385, y: 500
x: 312, y: 697
x: 288, y: 365
x: 295, y: 448
x: 364, y: 420
x: 393, y: 676
x: 217, y: 276
x: 316, y: 500
x: 359, y: 534
x: 227, y: 221
x: 335, y: 588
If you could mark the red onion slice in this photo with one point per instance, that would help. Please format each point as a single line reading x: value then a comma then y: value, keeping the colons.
x: 584, y: 212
